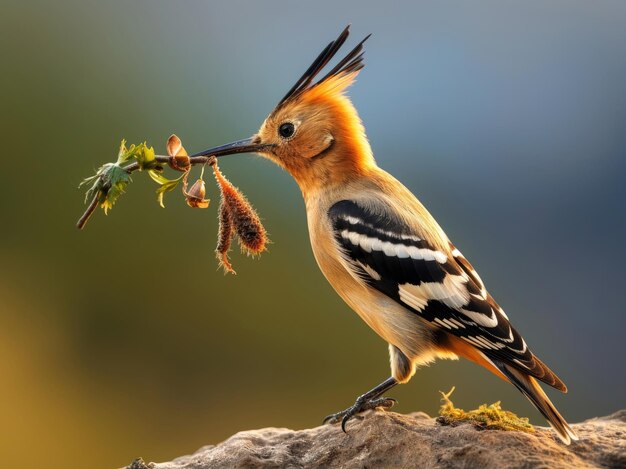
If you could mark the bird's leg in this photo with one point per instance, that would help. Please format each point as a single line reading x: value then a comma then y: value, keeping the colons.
x: 367, y: 401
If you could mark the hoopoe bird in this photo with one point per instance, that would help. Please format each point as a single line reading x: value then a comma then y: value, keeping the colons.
x: 381, y: 250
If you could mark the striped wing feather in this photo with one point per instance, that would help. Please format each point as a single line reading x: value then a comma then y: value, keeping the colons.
x: 442, y: 287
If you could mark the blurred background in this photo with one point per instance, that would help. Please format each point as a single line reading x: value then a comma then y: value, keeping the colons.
x: 507, y: 119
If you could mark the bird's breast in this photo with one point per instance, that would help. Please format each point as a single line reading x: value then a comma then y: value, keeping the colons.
x: 393, y: 322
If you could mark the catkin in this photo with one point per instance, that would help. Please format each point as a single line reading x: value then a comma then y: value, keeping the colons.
x: 238, y: 217
x: 224, y: 238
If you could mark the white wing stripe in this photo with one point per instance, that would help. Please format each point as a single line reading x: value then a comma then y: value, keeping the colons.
x: 480, y: 318
x: 473, y: 341
x: 456, y: 323
x: 371, y: 272
x: 411, y: 300
x: 450, y: 324
x: 451, y: 292
x: 392, y: 249
x: 442, y: 323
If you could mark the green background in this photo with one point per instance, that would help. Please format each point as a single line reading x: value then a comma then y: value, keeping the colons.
x: 506, y: 118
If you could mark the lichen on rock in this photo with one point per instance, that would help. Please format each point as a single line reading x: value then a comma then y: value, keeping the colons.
x: 491, y: 417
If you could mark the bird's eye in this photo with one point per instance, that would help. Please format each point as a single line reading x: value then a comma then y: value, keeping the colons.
x: 286, y: 130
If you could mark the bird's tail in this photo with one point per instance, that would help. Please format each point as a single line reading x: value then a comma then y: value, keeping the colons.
x: 531, y: 389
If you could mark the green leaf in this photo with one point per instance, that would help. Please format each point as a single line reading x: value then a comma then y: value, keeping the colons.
x: 115, y: 181
x: 158, y: 177
x: 145, y: 157
x: 108, y: 184
x: 166, y: 185
x: 93, y: 190
x: 122, y: 153
x: 170, y: 186
x: 126, y: 154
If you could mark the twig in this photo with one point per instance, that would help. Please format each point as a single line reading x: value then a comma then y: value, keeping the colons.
x: 87, y: 215
x: 193, y: 160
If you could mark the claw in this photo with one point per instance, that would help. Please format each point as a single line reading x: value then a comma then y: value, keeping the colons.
x: 344, y: 420
x: 358, y: 407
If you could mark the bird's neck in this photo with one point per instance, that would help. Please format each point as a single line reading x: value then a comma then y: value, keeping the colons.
x: 347, y: 161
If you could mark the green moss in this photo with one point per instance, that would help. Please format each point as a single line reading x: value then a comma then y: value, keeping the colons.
x: 491, y: 416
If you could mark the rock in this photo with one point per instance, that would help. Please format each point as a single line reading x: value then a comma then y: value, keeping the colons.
x: 386, y: 439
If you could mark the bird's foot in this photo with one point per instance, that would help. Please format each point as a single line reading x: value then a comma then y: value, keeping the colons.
x: 361, y: 405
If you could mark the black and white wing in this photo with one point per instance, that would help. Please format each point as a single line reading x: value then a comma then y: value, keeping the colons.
x: 441, y: 286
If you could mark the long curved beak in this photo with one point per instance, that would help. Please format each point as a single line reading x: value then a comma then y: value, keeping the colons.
x: 247, y: 145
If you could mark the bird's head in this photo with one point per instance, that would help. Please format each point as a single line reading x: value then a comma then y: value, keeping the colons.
x: 314, y: 132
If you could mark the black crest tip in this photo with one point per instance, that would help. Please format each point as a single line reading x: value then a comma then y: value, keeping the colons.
x: 353, y: 62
